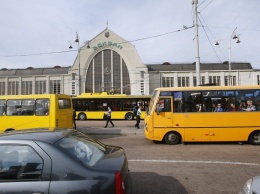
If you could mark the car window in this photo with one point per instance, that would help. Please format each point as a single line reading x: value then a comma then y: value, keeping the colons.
x: 19, y: 163
x: 82, y: 148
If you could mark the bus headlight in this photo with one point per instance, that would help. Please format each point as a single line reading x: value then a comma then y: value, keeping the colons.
x: 146, y: 127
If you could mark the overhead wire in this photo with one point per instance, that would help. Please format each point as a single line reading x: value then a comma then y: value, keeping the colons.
x: 211, y: 33
x: 206, y: 6
x: 58, y: 52
x: 201, y: 3
x: 209, y: 40
x: 34, y: 54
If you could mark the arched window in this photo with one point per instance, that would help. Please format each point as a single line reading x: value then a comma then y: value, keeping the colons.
x: 108, y: 72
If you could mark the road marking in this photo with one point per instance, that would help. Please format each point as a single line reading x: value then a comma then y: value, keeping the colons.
x: 196, y: 161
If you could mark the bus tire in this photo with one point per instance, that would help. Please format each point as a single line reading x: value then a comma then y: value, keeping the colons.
x: 82, y: 116
x: 172, y: 138
x: 129, y: 116
x: 254, y: 138
x: 9, y: 129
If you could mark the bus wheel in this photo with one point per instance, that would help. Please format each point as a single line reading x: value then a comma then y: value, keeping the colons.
x: 10, y: 129
x: 129, y: 116
x: 172, y: 138
x: 254, y: 138
x: 82, y: 116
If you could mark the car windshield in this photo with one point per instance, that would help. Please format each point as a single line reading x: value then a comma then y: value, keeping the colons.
x: 82, y: 147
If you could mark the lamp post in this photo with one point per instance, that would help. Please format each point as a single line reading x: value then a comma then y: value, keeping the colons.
x: 233, y: 36
x: 79, y: 76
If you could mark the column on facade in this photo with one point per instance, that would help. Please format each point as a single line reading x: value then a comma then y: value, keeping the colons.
x: 112, y: 70
x: 121, y: 74
x: 176, y: 79
x: 93, y: 74
x: 102, y: 76
x: 6, y: 85
x: 62, y: 84
x: 33, y: 84
x: 222, y: 78
x: 47, y: 84
x: 206, y: 77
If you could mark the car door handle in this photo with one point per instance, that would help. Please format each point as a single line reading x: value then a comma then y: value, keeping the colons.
x: 38, y: 193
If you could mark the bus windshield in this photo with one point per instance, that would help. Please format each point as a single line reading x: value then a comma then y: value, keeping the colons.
x: 152, y: 101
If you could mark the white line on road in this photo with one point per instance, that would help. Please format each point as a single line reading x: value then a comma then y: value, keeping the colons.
x: 194, y: 161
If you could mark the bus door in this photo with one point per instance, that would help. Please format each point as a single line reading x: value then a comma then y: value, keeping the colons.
x: 163, y: 116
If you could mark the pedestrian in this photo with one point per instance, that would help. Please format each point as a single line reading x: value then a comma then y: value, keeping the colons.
x: 138, y: 115
x: 135, y: 108
x: 109, y: 112
x: 74, y: 119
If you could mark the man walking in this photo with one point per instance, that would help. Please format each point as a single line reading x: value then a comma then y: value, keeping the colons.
x: 138, y: 115
x: 109, y: 112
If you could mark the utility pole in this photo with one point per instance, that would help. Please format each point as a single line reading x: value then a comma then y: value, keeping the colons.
x: 197, y: 58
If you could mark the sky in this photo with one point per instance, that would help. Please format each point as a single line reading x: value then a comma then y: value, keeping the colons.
x: 37, y: 33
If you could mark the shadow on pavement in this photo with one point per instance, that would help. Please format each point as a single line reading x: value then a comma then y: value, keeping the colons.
x: 150, y: 182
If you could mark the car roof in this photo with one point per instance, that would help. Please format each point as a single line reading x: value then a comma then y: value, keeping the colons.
x: 50, y: 135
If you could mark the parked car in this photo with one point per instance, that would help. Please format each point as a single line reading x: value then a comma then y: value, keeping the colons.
x: 61, y: 161
x: 252, y: 186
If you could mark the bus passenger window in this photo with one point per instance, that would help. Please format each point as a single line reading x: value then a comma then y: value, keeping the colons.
x: 42, y: 106
x: 165, y: 105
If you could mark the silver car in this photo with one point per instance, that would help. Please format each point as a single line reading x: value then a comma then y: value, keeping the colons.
x: 61, y: 161
x: 252, y: 186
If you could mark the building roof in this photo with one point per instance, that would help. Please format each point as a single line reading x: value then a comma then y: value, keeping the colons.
x: 203, y: 66
x: 57, y: 70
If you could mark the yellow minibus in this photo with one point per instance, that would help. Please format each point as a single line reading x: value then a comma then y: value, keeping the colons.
x: 204, y: 114
x: 94, y: 105
x: 19, y: 112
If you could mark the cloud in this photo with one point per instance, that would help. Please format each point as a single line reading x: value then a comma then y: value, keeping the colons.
x: 43, y: 26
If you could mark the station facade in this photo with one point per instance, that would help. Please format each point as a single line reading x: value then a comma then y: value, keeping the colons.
x: 108, y: 63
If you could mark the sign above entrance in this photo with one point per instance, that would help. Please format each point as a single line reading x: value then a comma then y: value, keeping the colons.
x: 108, y: 43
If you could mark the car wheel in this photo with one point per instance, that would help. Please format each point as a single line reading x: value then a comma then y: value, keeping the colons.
x: 172, y: 138
x: 129, y: 116
x: 82, y: 116
x: 254, y: 138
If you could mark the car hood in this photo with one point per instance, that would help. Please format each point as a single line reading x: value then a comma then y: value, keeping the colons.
x: 256, y: 184
x: 114, y: 159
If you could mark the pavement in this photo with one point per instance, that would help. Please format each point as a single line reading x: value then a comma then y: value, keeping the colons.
x: 121, y: 127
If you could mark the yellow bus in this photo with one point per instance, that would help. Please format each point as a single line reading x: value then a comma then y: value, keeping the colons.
x: 19, y: 112
x: 94, y: 105
x: 204, y: 114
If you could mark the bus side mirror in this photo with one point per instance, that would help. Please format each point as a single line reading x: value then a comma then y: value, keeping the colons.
x: 157, y: 109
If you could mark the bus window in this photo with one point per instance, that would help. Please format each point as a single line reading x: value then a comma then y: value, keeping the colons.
x: 64, y: 103
x: 165, y: 105
x: 42, y: 106
x: 2, y: 107
x: 178, y: 101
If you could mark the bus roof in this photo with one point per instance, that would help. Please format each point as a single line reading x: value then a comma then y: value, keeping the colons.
x: 201, y: 88
x: 107, y: 95
x: 32, y: 96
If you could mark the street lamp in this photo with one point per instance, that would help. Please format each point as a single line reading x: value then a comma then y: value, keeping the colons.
x: 77, y: 41
x: 233, y: 36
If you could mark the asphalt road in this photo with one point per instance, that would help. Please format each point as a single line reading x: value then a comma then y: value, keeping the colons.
x: 211, y: 168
